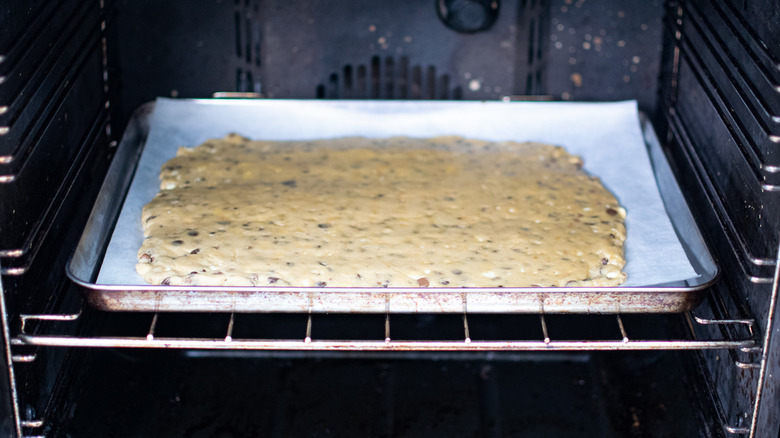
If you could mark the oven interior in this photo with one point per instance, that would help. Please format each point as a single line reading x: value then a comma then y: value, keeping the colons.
x: 72, y: 73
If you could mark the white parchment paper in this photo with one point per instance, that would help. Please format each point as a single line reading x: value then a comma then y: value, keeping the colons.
x: 606, y: 135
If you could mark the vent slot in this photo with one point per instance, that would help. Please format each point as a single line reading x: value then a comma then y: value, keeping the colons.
x: 388, y: 79
x: 248, y: 46
x: 531, y: 22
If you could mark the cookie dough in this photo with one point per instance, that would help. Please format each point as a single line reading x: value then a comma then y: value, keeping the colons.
x: 389, y: 212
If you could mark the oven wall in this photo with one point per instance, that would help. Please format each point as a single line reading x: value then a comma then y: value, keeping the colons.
x: 55, y: 147
x: 382, y: 50
x: 718, y: 111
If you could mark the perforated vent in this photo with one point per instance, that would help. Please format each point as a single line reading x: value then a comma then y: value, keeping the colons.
x: 388, y: 78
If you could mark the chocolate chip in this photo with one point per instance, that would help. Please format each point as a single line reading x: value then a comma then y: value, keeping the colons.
x: 611, y: 211
x: 177, y: 242
x: 145, y: 258
x: 195, y: 251
x: 457, y: 272
x: 323, y: 225
x: 321, y: 284
x: 192, y: 233
x: 166, y: 281
x: 290, y: 183
x: 604, y: 261
x: 272, y: 280
x: 423, y: 282
x: 445, y: 282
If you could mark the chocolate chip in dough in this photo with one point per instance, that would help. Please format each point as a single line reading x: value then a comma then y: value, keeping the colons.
x: 423, y: 282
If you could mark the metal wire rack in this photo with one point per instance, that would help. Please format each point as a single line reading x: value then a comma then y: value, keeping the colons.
x: 745, y: 341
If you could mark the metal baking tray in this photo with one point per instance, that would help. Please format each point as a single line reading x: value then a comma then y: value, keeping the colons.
x: 88, y: 258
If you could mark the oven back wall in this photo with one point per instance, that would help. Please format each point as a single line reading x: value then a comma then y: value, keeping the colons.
x: 568, y: 50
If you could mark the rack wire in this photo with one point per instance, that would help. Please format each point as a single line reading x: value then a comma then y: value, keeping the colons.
x: 745, y: 341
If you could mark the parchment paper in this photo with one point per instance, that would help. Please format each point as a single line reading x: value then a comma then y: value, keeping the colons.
x: 606, y: 135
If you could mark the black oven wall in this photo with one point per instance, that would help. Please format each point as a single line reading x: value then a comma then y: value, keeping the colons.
x: 718, y: 113
x: 383, y: 50
x: 55, y: 147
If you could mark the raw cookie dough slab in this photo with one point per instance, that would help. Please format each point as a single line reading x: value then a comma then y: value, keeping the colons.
x: 389, y: 212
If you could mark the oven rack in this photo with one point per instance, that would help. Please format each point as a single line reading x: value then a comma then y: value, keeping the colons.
x: 738, y: 335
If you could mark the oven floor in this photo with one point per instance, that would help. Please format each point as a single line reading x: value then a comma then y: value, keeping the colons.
x: 224, y: 394
x: 156, y: 394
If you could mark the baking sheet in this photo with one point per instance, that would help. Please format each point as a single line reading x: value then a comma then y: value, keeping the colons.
x: 606, y: 135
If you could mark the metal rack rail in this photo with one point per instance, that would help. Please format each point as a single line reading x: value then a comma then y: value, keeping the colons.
x: 746, y: 342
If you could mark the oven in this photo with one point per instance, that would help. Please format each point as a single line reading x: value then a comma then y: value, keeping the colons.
x: 80, y: 82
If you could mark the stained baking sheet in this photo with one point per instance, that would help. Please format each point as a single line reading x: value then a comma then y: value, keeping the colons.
x: 607, y: 135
